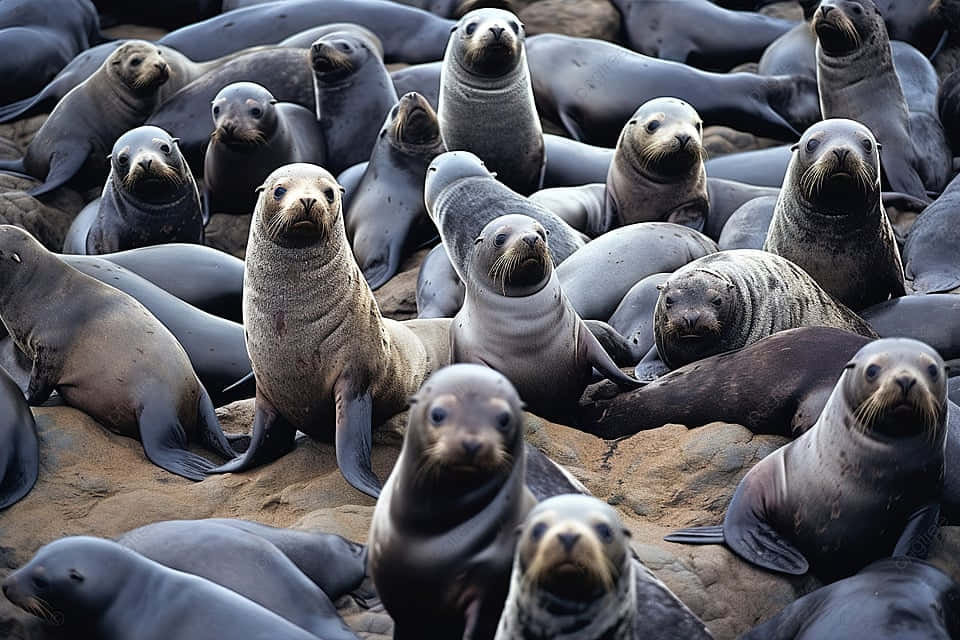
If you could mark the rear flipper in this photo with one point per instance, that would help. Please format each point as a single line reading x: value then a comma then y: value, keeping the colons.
x: 354, y: 437
x: 272, y: 438
x: 593, y: 353
x: 712, y: 534
x: 211, y: 434
x: 64, y: 165
x: 25, y: 107
x: 616, y: 345
x: 920, y: 533
x: 165, y: 442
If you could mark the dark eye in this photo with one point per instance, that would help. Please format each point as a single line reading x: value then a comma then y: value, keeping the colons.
x: 812, y: 144
x: 700, y: 127
x: 503, y: 420
x: 438, y: 415
x: 515, y: 27
x: 538, y: 530
x: 653, y: 125
x: 165, y: 148
x: 343, y: 46
x: 500, y: 239
x: 717, y: 301
x: 471, y: 28
x: 867, y: 145
x: 330, y: 196
x: 279, y: 192
x: 934, y: 371
x: 41, y: 582
x: 122, y: 159
x: 857, y: 10
x: 135, y: 62
x: 216, y: 111
x: 872, y: 371
x: 604, y: 532
x: 256, y: 112
x: 668, y: 301
x: 76, y: 576
x: 542, y: 234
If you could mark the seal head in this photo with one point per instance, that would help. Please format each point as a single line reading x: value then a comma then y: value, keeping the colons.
x: 692, y: 311
x: 244, y: 116
x: 299, y: 206
x: 515, y: 247
x: 488, y: 42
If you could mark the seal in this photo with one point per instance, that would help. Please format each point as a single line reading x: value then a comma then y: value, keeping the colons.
x: 78, y: 135
x: 408, y: 34
x: 829, y: 219
x: 731, y: 299
x: 700, y: 34
x: 253, y: 135
x: 420, y: 78
x: 439, y: 289
x: 326, y: 362
x: 591, y: 88
x: 929, y: 254
x: 353, y: 93
x: 760, y: 167
x: 146, y: 389
x: 175, y: 14
x: 486, y: 99
x: 386, y: 218
x: 442, y: 537
x: 887, y: 597
x: 929, y: 318
x: 20, y: 457
x: 150, y: 198
x: 597, y: 277
x: 748, y: 226
x: 571, y: 164
x: 854, y: 66
x: 633, y: 317
x: 244, y: 563
x: 948, y: 108
x: 515, y: 313
x: 862, y: 482
x: 575, y: 576
x: 94, y: 588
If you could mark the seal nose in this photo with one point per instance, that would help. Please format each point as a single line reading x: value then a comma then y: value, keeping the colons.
x: 568, y: 540
x: 825, y: 9
x: 683, y: 139
x: 906, y: 383
x: 145, y: 163
x: 531, y: 240
x: 841, y: 154
x: 308, y: 203
x: 691, y: 319
x: 497, y: 32
x: 471, y: 448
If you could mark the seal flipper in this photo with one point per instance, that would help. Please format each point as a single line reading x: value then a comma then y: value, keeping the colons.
x: 920, y: 533
x: 63, y: 167
x: 205, y: 205
x: 272, y: 438
x: 209, y: 431
x: 712, y: 534
x: 591, y: 351
x: 571, y: 125
x: 165, y: 442
x: 616, y: 345
x: 354, y: 437
x: 42, y: 383
x: 692, y: 214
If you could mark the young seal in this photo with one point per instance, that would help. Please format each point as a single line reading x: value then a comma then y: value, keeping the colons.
x: 253, y: 135
x: 95, y: 588
x: 867, y: 475
x: 731, y: 299
x: 353, y: 93
x: 854, y: 66
x: 76, y: 139
x: 890, y: 599
x: 442, y: 537
x: 326, y: 362
x: 486, y: 100
x: 515, y: 313
x: 575, y: 578
x: 829, y: 219
x: 144, y: 389
x: 150, y: 198
x: 386, y: 218
x: 930, y: 255
x: 20, y: 457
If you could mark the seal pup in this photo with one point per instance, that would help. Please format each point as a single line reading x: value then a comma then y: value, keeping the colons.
x: 575, y: 577
x: 386, y: 217
x: 326, y: 362
x: 867, y: 475
x: 442, y: 537
x: 95, y: 588
x: 76, y: 139
x: 20, y: 457
x: 486, y: 99
x: 829, y: 219
x: 731, y: 299
x: 515, y: 313
x: 930, y: 256
x: 150, y: 198
x: 105, y: 354
x: 890, y: 599
x: 854, y: 66
x: 353, y: 93
x: 253, y: 135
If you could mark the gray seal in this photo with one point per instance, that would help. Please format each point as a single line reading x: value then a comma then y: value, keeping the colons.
x: 105, y: 354
x: 20, y: 460
x: 253, y: 135
x: 860, y: 484
x: 575, y: 577
x: 150, y: 198
x: 829, y: 219
x: 443, y: 532
x: 931, y: 263
x: 96, y: 588
x: 731, y: 299
x: 516, y: 320
x: 326, y: 362
x: 486, y: 100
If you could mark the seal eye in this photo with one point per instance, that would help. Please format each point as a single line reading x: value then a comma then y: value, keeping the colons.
x: 279, y: 192
x: 542, y: 234
x: 653, y: 125
x: 122, y: 160
x: 41, y: 582
x: 934, y: 371
x: 538, y: 530
x: 717, y: 301
x: 165, y: 148
x: 471, y: 28
x: 343, y: 46
x: 503, y: 420
x: 438, y: 415
x: 604, y: 532
x: 500, y: 239
x: 256, y: 112
x: 857, y: 10
x: 867, y: 145
x: 76, y: 576
x: 515, y: 27
x: 812, y: 144
x: 330, y: 196
x: 872, y: 372
x: 135, y: 62
x: 668, y: 301
x: 216, y: 111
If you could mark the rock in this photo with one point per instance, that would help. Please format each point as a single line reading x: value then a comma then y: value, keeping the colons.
x: 18, y: 134
x: 397, y: 298
x: 49, y: 220
x: 228, y: 233
x: 719, y: 140
x: 787, y: 10
x: 581, y: 18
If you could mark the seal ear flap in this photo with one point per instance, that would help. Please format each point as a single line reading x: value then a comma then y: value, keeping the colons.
x: 879, y: 147
x: 274, y: 101
x: 661, y: 287
x: 478, y: 240
x: 109, y: 156
x: 453, y: 28
x: 260, y: 188
x: 794, y: 147
x: 849, y: 365
x: 175, y: 141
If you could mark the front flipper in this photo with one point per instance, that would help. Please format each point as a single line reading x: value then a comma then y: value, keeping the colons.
x: 920, y: 533
x: 354, y: 437
x: 747, y: 532
x: 693, y: 215
x: 591, y: 352
x: 272, y: 438
x: 165, y: 442
x: 43, y: 380
x: 64, y: 165
x: 210, y: 432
